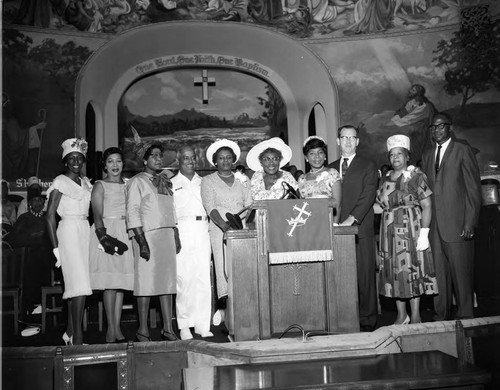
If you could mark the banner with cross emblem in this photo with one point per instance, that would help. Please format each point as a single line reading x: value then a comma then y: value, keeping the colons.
x: 299, y: 231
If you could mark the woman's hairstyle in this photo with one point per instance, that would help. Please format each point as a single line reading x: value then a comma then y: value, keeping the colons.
x: 339, y: 132
x: 406, y: 152
x: 108, y: 152
x: 271, y: 150
x: 149, y: 151
x: 216, y: 154
x: 314, y: 143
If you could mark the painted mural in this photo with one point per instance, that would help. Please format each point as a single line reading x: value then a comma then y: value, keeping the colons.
x: 391, y: 72
x: 38, y: 96
x: 299, y: 18
x: 196, y: 107
x: 394, y: 85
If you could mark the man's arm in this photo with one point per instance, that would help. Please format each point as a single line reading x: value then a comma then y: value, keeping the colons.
x: 472, y: 180
x: 368, y: 193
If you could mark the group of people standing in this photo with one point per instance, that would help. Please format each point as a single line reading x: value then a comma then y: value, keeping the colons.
x: 133, y: 243
x: 427, y: 224
x: 155, y: 234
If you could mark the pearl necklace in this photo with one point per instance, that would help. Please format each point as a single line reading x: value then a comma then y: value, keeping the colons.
x: 319, y: 170
x: 226, y: 176
x: 35, y: 213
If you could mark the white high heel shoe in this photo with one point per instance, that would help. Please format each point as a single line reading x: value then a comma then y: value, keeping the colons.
x: 67, y: 339
x: 405, y: 322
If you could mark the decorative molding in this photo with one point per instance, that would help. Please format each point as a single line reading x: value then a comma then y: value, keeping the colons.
x: 296, y: 269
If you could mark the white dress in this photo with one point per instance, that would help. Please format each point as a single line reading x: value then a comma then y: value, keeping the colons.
x: 73, y: 234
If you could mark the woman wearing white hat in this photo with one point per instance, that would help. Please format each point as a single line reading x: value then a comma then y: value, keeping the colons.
x: 320, y: 181
x: 222, y: 192
x: 69, y: 196
x: 406, y: 267
x: 266, y: 159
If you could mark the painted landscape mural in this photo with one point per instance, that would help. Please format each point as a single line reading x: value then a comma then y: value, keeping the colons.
x: 169, y: 107
x: 383, y: 56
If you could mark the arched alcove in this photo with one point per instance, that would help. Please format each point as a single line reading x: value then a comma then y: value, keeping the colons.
x: 300, y: 77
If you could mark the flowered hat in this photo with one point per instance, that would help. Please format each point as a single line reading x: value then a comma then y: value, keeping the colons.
x: 398, y: 141
x: 142, y: 147
x: 277, y: 143
x: 223, y: 143
x: 74, y: 145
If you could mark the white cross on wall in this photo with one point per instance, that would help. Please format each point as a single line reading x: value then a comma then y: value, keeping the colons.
x: 205, y: 82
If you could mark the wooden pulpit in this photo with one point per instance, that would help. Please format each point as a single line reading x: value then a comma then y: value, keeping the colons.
x: 265, y: 299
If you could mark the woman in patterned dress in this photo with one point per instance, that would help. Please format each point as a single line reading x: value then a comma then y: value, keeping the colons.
x: 69, y: 196
x: 320, y: 181
x: 266, y: 159
x: 223, y: 192
x: 407, y: 267
x: 111, y: 267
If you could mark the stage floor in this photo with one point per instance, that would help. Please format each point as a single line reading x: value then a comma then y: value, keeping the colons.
x: 486, y: 307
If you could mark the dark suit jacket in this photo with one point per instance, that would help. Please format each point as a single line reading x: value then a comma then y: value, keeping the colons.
x: 456, y: 199
x: 359, y: 190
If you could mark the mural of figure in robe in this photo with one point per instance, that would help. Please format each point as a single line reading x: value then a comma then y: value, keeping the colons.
x: 21, y: 144
x: 414, y: 118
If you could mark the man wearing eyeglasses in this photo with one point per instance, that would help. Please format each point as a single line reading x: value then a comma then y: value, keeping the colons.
x: 454, y: 178
x: 359, y: 188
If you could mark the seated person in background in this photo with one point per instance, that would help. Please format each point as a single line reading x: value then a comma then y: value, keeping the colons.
x: 266, y: 159
x: 8, y: 209
x: 320, y: 181
x: 29, y: 228
x: 23, y: 206
x: 30, y: 231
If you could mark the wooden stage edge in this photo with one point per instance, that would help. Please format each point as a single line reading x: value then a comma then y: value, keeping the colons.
x: 161, y: 364
x: 389, y: 339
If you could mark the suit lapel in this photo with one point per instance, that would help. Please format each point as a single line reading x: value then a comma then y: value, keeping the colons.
x: 446, y: 156
x: 336, y: 165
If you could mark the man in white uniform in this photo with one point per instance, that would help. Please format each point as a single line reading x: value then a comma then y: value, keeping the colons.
x: 193, y: 302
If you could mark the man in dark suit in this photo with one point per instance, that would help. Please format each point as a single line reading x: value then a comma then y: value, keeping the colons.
x: 359, y: 188
x: 454, y: 178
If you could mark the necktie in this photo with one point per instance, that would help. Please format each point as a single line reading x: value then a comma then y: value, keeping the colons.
x: 344, y: 167
x: 438, y: 157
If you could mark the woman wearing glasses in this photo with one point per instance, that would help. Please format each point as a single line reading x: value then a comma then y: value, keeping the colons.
x: 320, y: 181
x: 266, y: 159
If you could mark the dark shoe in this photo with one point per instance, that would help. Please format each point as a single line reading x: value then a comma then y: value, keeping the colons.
x: 366, y: 328
x: 168, y: 336
x: 436, y: 318
x: 137, y: 335
x: 123, y: 340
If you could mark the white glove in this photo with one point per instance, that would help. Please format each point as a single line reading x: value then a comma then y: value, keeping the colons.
x: 58, y: 257
x: 423, y: 239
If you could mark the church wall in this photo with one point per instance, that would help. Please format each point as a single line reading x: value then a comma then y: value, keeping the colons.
x: 372, y: 72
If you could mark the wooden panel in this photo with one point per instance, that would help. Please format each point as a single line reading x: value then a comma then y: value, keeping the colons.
x: 412, y: 370
x: 243, y: 285
x: 343, y: 292
x: 266, y: 299
x: 297, y: 296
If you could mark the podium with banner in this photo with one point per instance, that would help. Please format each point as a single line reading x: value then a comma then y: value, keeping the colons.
x: 294, y: 269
